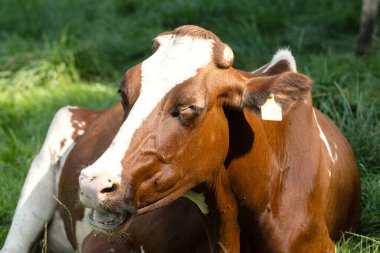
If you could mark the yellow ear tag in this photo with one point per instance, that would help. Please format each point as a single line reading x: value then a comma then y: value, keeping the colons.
x: 271, y: 110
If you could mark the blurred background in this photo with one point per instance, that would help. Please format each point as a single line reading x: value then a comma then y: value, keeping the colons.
x: 54, y: 53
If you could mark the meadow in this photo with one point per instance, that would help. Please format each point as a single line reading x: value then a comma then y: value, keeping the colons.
x: 54, y: 53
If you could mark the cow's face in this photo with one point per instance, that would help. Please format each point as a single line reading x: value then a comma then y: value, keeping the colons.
x: 175, y: 133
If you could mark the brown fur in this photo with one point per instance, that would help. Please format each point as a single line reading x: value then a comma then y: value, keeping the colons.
x: 196, y: 32
x: 267, y: 183
x: 87, y: 149
x: 276, y: 194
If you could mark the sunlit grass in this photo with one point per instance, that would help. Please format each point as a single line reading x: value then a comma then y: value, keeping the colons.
x: 352, y: 242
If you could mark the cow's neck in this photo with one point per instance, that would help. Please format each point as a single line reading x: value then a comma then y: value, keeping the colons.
x: 222, y: 224
x: 258, y: 160
x: 276, y: 149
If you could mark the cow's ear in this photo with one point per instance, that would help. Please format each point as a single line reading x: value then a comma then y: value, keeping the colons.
x: 276, y: 84
x: 287, y: 89
x: 274, y: 88
x: 282, y: 61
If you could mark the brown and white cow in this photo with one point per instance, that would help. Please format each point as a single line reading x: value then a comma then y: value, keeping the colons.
x: 191, y: 121
x: 76, y: 137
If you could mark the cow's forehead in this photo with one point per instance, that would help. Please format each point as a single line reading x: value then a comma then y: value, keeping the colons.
x: 176, y: 60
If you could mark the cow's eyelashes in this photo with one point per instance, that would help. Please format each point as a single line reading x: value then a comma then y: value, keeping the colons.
x: 186, y: 110
x: 192, y: 109
x: 187, y: 114
x: 124, y: 98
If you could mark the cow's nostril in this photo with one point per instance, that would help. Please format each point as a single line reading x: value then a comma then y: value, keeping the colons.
x: 109, y: 189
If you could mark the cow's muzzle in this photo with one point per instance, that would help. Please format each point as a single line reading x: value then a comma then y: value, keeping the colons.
x: 108, y: 222
x: 102, y: 193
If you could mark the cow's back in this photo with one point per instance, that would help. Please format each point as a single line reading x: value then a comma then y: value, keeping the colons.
x: 343, y: 205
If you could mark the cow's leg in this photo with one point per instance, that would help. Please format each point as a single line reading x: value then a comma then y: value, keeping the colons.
x: 313, y: 240
x: 299, y: 232
x: 36, y: 204
x: 225, y: 216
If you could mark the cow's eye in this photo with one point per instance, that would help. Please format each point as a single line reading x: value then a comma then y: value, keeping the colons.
x: 191, y: 109
x: 187, y: 114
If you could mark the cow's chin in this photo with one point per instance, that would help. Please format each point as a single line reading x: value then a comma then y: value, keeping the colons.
x: 108, y: 222
x: 166, y: 200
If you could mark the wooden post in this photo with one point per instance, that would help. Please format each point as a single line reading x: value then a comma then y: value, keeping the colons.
x: 367, y: 26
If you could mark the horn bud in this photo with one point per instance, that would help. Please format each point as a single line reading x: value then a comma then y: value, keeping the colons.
x: 224, y: 56
x: 155, y: 45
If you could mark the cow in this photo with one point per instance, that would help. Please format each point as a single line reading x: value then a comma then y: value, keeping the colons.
x: 276, y: 174
x: 50, y: 196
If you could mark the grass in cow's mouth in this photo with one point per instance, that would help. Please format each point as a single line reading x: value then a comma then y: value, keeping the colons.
x: 71, y: 62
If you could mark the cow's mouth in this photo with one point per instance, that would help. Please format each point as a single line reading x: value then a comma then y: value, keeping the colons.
x: 165, y: 200
x: 108, y: 222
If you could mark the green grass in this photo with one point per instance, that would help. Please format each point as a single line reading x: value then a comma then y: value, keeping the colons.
x: 54, y: 53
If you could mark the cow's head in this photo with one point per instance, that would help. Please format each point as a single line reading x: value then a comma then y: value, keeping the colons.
x: 175, y: 133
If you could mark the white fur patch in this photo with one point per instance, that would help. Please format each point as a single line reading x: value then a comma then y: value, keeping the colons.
x: 36, y: 206
x: 57, y: 238
x: 323, y: 138
x: 59, y: 166
x: 177, y: 59
x: 336, y: 152
x: 82, y: 229
x: 59, y: 132
x: 81, y: 123
x: 228, y: 54
x: 283, y: 54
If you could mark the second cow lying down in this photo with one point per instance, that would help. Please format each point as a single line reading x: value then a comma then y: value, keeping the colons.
x: 276, y: 174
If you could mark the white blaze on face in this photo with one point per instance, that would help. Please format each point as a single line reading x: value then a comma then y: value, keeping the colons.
x: 177, y: 59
